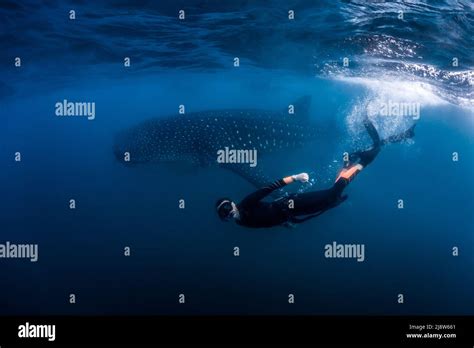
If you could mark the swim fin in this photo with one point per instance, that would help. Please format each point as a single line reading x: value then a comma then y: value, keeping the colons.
x: 367, y: 156
x: 374, y: 135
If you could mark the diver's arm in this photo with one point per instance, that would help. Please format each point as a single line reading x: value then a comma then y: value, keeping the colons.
x: 265, y: 191
x: 255, y: 197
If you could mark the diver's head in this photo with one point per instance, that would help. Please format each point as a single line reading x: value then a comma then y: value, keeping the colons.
x: 226, y: 209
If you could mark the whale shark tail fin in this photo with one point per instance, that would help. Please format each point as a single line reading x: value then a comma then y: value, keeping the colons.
x: 300, y: 108
x: 408, y: 134
x: 397, y: 138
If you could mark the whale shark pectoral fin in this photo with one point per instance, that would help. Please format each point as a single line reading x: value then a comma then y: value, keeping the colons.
x: 301, y: 108
x: 202, y: 160
x: 253, y: 175
x: 202, y: 155
x: 181, y: 168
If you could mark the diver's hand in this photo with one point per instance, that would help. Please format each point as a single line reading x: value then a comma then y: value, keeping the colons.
x: 302, y: 177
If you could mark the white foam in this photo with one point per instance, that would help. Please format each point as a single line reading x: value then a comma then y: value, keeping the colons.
x: 381, y: 92
x: 398, y: 90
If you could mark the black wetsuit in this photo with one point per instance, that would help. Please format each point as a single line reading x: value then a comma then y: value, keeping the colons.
x: 256, y: 213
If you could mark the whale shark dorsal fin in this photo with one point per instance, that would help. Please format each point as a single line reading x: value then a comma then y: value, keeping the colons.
x: 301, y: 108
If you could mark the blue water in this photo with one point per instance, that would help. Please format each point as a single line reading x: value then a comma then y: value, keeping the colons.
x: 190, y: 251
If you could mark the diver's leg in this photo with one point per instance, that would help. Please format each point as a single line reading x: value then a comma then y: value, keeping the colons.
x: 316, y: 201
x: 366, y: 157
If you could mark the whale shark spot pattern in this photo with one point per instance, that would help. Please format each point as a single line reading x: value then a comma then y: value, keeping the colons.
x: 196, y: 137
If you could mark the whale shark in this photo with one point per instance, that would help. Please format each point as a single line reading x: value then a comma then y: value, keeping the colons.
x: 199, y: 137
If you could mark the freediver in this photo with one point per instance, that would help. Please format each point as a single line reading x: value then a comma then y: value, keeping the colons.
x: 253, y: 212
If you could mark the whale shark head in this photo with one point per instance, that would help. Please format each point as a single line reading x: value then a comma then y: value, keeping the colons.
x: 156, y: 140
